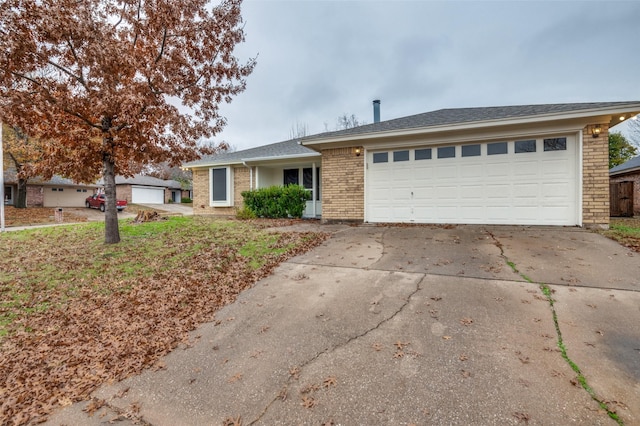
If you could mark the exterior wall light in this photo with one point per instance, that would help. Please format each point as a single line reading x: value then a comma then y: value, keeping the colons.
x: 595, y: 130
x: 358, y: 151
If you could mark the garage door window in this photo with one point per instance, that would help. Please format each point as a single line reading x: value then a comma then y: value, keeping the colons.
x: 381, y: 157
x: 470, y: 150
x: 221, y: 187
x: 525, y: 146
x: 447, y: 152
x: 400, y: 156
x: 423, y: 154
x: 497, y: 148
x: 555, y: 144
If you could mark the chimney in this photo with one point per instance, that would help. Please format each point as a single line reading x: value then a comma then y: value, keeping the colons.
x: 376, y: 111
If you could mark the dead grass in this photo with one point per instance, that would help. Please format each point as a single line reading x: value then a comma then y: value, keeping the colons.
x: 76, y: 313
x: 36, y: 216
x: 626, y: 231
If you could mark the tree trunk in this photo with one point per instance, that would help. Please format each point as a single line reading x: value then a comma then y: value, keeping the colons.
x: 111, y: 231
x: 21, y: 197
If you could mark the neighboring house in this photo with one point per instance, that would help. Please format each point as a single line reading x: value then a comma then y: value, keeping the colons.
x: 629, y: 172
x: 56, y: 192
x: 141, y: 189
x: 515, y: 165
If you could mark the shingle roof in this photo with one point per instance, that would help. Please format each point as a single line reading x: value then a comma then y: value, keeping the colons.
x: 445, y: 117
x: 279, y: 149
x: 145, y: 181
x: 634, y: 163
x: 11, y: 177
x: 440, y: 117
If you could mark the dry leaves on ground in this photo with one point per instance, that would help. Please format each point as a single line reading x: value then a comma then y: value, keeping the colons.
x: 37, y: 216
x: 90, y: 332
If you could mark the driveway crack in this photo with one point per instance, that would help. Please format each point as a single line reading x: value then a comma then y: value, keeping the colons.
x: 341, y: 345
x: 548, y: 292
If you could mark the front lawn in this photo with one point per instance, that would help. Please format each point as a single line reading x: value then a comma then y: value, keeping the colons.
x: 75, y: 313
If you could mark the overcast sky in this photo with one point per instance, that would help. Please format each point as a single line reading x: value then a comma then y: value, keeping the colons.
x: 318, y: 59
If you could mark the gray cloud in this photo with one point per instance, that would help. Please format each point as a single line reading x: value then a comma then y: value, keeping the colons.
x: 319, y: 59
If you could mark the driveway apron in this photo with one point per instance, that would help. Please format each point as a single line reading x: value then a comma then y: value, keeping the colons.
x: 409, y: 325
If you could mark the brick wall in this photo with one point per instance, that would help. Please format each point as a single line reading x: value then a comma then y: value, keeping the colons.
x: 201, y: 189
x: 124, y: 192
x: 635, y: 178
x: 342, y: 185
x: 595, y: 178
x: 35, y: 196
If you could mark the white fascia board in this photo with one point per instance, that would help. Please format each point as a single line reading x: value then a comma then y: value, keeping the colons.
x: 254, y: 160
x: 281, y: 157
x: 585, y: 116
x: 213, y: 164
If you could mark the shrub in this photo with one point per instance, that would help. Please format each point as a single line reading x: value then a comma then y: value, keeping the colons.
x: 186, y: 200
x: 277, y: 201
x: 245, y: 214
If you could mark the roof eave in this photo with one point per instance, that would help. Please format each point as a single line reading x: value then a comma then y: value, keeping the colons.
x: 253, y: 160
x: 594, y: 113
x: 625, y: 171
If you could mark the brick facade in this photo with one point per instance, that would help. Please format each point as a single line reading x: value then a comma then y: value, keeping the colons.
x: 201, y: 195
x: 342, y: 185
x: 595, y: 178
x: 124, y: 192
x: 635, y: 178
x: 35, y: 196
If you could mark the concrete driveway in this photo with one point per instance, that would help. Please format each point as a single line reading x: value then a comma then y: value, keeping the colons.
x: 410, y: 325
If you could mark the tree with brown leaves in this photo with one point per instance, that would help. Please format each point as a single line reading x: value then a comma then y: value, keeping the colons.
x: 22, y: 152
x: 111, y: 83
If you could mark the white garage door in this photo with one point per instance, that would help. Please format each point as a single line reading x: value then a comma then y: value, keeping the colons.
x: 145, y: 195
x: 529, y: 182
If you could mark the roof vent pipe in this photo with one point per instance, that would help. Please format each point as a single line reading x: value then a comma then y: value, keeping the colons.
x: 376, y: 111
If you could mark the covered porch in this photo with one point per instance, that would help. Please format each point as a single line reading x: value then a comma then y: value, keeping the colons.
x: 304, y: 171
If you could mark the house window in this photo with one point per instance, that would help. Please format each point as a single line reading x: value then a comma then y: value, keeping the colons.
x: 381, y: 157
x: 447, y: 152
x: 307, y: 180
x: 470, y: 150
x: 221, y: 187
x: 555, y: 144
x: 8, y: 194
x: 423, y: 154
x: 525, y: 146
x: 497, y: 148
x: 54, y: 189
x: 400, y: 156
x: 291, y: 177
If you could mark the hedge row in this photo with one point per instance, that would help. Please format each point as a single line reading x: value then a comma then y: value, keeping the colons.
x: 277, y: 201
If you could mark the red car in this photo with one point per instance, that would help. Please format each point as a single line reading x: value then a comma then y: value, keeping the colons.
x: 98, y: 201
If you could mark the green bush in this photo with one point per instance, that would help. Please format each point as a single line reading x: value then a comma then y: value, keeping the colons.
x: 186, y: 200
x: 245, y: 214
x: 277, y: 201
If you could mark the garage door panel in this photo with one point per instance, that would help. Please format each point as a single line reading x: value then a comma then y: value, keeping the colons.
x: 506, y: 188
x: 446, y: 172
x: 471, y: 171
x: 471, y: 192
x: 146, y: 195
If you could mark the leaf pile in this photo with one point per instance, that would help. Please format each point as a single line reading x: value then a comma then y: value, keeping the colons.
x: 76, y: 313
x: 36, y: 216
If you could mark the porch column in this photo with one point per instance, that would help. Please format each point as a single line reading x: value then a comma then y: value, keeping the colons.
x: 314, y: 172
